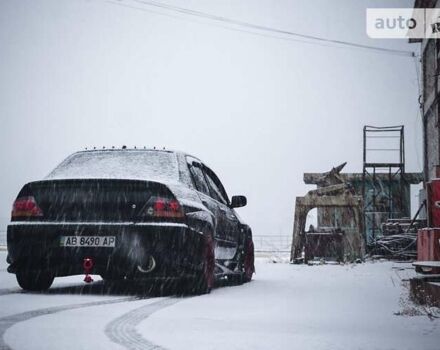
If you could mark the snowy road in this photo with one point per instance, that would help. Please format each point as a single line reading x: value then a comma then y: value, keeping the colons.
x: 286, y: 307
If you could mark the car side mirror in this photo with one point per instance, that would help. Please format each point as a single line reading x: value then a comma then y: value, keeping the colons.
x: 238, y: 201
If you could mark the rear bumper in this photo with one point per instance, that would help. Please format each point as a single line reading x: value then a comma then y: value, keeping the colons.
x: 36, y: 246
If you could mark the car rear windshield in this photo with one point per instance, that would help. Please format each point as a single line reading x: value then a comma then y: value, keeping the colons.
x: 118, y: 164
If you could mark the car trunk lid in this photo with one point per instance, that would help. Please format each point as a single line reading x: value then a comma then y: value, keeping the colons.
x: 92, y: 200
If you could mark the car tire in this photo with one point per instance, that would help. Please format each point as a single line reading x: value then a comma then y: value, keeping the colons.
x: 35, y: 281
x: 248, y: 261
x: 205, y: 277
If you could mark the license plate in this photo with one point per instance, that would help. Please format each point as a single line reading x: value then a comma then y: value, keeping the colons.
x: 87, y: 241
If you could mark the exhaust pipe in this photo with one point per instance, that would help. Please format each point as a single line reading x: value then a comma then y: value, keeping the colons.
x: 148, y: 267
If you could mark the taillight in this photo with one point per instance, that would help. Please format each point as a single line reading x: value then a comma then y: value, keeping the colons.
x: 164, y: 208
x: 26, y: 207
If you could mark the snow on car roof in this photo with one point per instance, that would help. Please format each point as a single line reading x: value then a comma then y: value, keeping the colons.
x: 137, y: 164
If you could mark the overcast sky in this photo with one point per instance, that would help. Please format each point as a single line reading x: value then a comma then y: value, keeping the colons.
x: 260, y: 111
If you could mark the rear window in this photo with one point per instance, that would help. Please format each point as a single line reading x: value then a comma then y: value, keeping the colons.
x: 119, y: 164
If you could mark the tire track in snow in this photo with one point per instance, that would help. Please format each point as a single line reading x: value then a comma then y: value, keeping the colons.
x: 8, y: 321
x: 122, y: 330
x: 6, y: 291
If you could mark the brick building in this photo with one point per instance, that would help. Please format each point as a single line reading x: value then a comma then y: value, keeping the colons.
x: 429, y: 99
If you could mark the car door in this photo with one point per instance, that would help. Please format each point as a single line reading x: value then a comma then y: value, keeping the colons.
x: 200, y: 182
x: 229, y: 221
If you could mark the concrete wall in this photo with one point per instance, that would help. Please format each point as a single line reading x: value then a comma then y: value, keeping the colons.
x: 431, y: 133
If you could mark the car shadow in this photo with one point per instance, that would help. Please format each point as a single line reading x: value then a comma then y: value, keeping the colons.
x: 139, y: 289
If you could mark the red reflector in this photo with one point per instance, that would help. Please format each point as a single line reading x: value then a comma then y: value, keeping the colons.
x: 26, y: 207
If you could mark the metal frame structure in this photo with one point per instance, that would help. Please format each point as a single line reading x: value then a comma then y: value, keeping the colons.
x: 372, y: 209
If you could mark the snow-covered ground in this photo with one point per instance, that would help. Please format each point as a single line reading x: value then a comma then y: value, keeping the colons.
x: 286, y: 306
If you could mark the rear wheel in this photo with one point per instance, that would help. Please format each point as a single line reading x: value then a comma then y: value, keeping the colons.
x: 35, y: 281
x: 205, y: 277
x: 248, y: 261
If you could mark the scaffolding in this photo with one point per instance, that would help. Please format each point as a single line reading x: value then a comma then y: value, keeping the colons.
x: 383, y: 178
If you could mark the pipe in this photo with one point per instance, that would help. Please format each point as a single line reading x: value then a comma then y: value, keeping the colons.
x: 150, y: 266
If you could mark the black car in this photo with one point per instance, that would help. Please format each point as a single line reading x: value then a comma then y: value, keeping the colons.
x: 129, y: 214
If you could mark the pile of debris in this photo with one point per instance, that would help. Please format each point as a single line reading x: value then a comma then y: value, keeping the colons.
x: 399, y: 240
x: 401, y: 246
x: 404, y: 225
